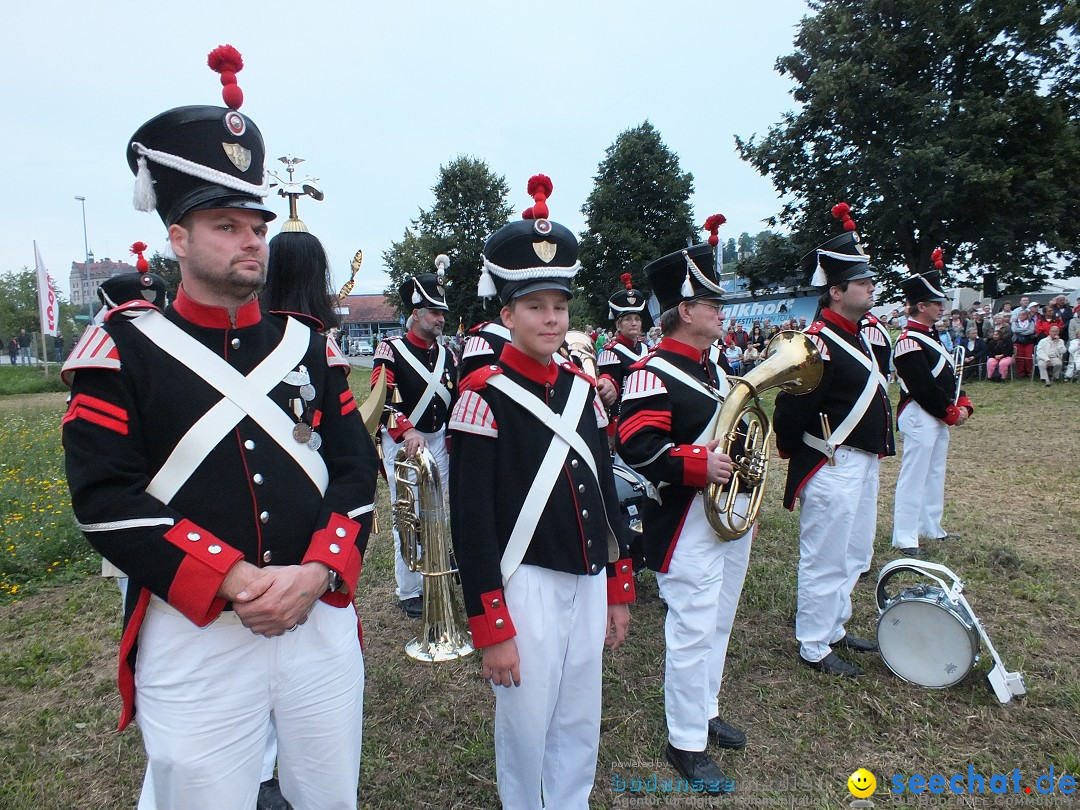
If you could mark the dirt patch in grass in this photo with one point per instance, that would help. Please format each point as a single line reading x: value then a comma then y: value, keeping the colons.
x: 1011, y: 494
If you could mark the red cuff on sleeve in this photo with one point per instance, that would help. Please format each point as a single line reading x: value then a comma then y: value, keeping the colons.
x: 396, y: 433
x: 198, y: 579
x: 964, y: 402
x: 620, y: 583
x: 952, y: 413
x: 494, y: 624
x: 695, y: 464
x: 335, y: 547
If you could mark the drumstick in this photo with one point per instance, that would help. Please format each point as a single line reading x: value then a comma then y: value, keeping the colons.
x: 826, y: 432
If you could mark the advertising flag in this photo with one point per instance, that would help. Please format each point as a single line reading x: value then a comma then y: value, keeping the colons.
x: 48, y: 306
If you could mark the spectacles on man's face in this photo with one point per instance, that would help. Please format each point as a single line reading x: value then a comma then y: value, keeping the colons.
x: 717, y: 308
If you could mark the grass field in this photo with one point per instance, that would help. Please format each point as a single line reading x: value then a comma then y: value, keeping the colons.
x: 1013, y: 493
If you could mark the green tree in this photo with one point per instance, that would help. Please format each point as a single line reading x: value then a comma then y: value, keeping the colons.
x: 168, y: 269
x: 470, y: 205
x: 19, y: 310
x: 773, y: 262
x: 946, y: 123
x: 639, y: 209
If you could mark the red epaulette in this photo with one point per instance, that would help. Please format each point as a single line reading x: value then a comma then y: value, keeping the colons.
x: 815, y: 327
x: 477, y: 380
x: 573, y: 369
x: 476, y: 329
x: 903, y: 334
x: 870, y: 319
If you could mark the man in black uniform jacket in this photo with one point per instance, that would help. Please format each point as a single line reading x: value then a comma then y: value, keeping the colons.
x: 216, y: 455
x: 835, y: 437
x: 669, y: 403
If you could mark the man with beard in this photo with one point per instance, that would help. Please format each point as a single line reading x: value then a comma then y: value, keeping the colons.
x: 420, y: 391
x: 216, y: 455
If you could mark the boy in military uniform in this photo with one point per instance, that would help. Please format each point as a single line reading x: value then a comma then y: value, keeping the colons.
x: 544, y: 571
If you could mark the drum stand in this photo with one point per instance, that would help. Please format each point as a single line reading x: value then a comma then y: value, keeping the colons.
x: 1006, y: 685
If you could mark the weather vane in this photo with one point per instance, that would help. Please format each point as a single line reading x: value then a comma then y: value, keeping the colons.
x: 294, y: 189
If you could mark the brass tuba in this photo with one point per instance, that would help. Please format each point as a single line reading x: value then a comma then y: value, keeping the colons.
x: 422, y: 522
x: 793, y: 363
x: 582, y: 351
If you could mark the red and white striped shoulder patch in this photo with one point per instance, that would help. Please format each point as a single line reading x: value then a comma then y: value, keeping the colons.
x: 476, y: 346
x: 905, y: 345
x: 642, y: 383
x: 472, y: 414
x: 607, y: 358
x: 822, y: 346
x: 874, y: 335
x: 334, y: 357
x: 95, y: 349
x: 384, y: 351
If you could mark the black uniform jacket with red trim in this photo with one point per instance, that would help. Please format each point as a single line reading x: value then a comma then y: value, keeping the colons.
x: 663, y: 430
x: 483, y: 346
x: 498, y: 447
x: 842, y: 383
x: 927, y: 374
x: 406, y: 380
x: 139, y: 418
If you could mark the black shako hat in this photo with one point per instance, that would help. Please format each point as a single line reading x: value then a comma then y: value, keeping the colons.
x: 530, y: 255
x: 685, y: 275
x: 840, y: 259
x: 423, y: 291
x: 126, y: 287
x: 629, y: 301
x: 926, y: 286
x: 198, y: 157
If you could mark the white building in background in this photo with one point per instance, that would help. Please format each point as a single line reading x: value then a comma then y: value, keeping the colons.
x: 86, y: 277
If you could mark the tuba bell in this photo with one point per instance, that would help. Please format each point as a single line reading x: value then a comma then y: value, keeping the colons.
x: 421, y: 517
x: 792, y: 363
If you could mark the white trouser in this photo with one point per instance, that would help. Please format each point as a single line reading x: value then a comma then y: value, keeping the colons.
x: 701, y: 588
x: 920, y: 489
x: 1074, y: 360
x: 205, y: 698
x: 547, y: 730
x: 837, y: 520
x: 411, y: 583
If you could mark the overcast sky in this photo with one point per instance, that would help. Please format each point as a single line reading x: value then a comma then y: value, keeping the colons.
x: 375, y: 97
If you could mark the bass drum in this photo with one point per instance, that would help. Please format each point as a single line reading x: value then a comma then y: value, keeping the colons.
x: 630, y: 487
x: 924, y: 636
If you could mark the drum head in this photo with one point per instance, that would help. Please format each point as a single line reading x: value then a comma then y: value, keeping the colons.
x: 927, y: 640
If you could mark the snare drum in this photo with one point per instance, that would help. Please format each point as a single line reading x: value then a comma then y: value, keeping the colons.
x: 631, y: 490
x: 926, y: 638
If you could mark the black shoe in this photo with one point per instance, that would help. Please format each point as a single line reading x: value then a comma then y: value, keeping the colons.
x: 698, y: 768
x: 726, y: 735
x: 856, y: 644
x: 913, y: 551
x: 270, y: 797
x: 832, y: 664
x: 950, y: 537
x: 413, y: 607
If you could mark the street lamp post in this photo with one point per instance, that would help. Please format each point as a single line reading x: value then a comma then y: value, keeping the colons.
x: 89, y: 258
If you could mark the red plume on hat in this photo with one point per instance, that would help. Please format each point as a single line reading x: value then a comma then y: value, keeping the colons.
x: 141, y: 264
x: 938, y: 258
x: 842, y: 211
x: 627, y: 280
x: 539, y: 188
x: 712, y: 225
x: 227, y: 61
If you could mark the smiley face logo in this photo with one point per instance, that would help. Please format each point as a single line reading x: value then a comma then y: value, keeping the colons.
x: 862, y: 784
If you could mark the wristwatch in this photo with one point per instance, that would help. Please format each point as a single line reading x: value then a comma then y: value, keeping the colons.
x: 335, y: 583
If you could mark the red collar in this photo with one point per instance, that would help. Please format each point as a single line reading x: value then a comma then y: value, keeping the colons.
x: 619, y: 338
x: 670, y: 344
x: 836, y: 319
x: 919, y: 327
x: 418, y: 341
x: 516, y: 360
x: 213, y: 317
